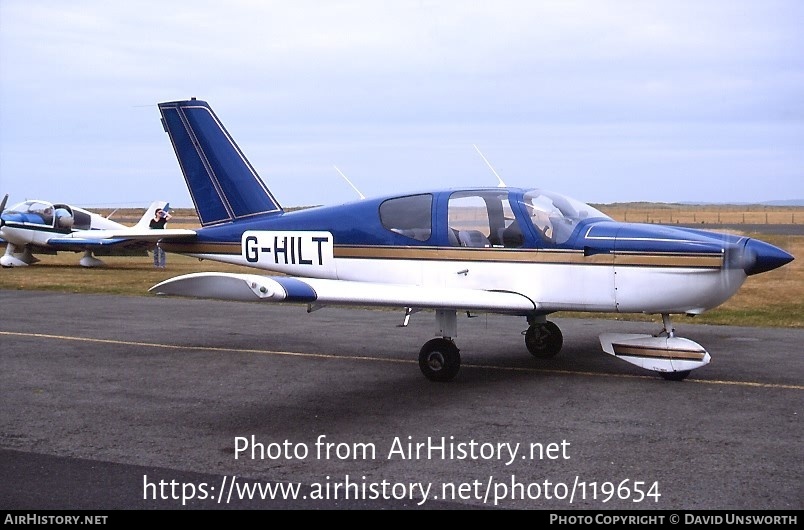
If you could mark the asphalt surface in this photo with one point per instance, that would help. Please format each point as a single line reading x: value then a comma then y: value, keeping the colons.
x: 139, y: 403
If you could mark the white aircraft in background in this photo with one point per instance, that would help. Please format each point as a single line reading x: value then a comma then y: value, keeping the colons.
x: 524, y: 252
x: 42, y: 227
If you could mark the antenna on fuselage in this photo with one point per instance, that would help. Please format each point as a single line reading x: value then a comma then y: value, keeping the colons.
x: 501, y: 184
x: 349, y: 181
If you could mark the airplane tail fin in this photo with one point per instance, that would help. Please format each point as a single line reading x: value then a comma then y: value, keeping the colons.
x: 222, y: 183
x: 145, y: 220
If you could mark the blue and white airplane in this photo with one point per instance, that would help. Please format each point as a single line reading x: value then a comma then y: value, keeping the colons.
x: 522, y: 252
x: 42, y: 227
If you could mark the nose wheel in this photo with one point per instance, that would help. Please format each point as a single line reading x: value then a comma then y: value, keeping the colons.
x: 675, y: 376
x: 439, y: 360
x: 544, y: 340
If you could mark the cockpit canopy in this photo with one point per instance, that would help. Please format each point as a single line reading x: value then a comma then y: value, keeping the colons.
x: 555, y: 216
x: 487, y: 217
x: 59, y: 216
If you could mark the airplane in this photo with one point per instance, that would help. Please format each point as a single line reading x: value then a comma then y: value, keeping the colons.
x: 43, y: 227
x: 526, y: 252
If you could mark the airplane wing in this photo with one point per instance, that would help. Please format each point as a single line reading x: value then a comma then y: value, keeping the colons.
x: 258, y: 288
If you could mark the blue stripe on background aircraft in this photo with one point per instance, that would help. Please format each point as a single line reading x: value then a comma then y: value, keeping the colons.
x: 42, y: 227
x: 523, y: 252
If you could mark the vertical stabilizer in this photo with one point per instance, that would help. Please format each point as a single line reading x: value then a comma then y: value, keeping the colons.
x: 145, y: 220
x: 222, y: 183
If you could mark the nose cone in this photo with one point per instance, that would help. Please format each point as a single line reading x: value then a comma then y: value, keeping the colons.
x: 763, y: 257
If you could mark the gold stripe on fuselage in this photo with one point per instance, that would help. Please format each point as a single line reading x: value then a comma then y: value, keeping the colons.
x: 490, y: 254
x: 496, y: 254
x: 516, y: 255
x: 227, y: 249
x: 674, y: 259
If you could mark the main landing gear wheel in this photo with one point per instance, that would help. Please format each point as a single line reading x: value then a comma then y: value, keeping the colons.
x: 439, y: 360
x: 544, y: 340
x: 675, y: 376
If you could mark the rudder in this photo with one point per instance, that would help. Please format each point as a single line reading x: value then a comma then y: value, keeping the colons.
x: 222, y: 183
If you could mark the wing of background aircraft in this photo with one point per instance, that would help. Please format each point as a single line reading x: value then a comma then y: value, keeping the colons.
x: 526, y: 252
x: 41, y: 227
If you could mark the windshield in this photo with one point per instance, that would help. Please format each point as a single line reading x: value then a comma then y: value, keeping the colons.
x: 555, y: 216
x: 39, y: 212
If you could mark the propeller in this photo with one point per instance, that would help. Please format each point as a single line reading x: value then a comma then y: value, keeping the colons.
x: 3, y: 209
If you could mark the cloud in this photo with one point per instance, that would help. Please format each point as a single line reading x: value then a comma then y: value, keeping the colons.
x: 403, y: 81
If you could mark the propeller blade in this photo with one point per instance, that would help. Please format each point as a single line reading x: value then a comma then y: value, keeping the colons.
x: 3, y: 209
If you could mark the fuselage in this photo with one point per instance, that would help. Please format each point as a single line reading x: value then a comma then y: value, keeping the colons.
x: 564, y: 254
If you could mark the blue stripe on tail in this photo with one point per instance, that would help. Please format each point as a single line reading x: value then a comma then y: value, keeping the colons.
x: 222, y: 183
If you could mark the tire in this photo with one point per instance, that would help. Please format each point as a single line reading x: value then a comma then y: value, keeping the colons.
x: 675, y: 376
x: 544, y: 341
x: 439, y: 360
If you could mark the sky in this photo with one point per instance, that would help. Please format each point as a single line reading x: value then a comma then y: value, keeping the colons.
x: 604, y: 101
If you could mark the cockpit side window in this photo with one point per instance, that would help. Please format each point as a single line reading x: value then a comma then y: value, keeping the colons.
x: 482, y: 219
x: 410, y: 216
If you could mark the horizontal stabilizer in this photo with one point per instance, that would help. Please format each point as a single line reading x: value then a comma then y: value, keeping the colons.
x: 104, y: 238
x: 660, y: 354
x: 252, y: 287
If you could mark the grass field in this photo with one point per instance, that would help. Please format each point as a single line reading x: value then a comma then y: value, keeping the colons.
x: 704, y: 214
x: 775, y: 298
